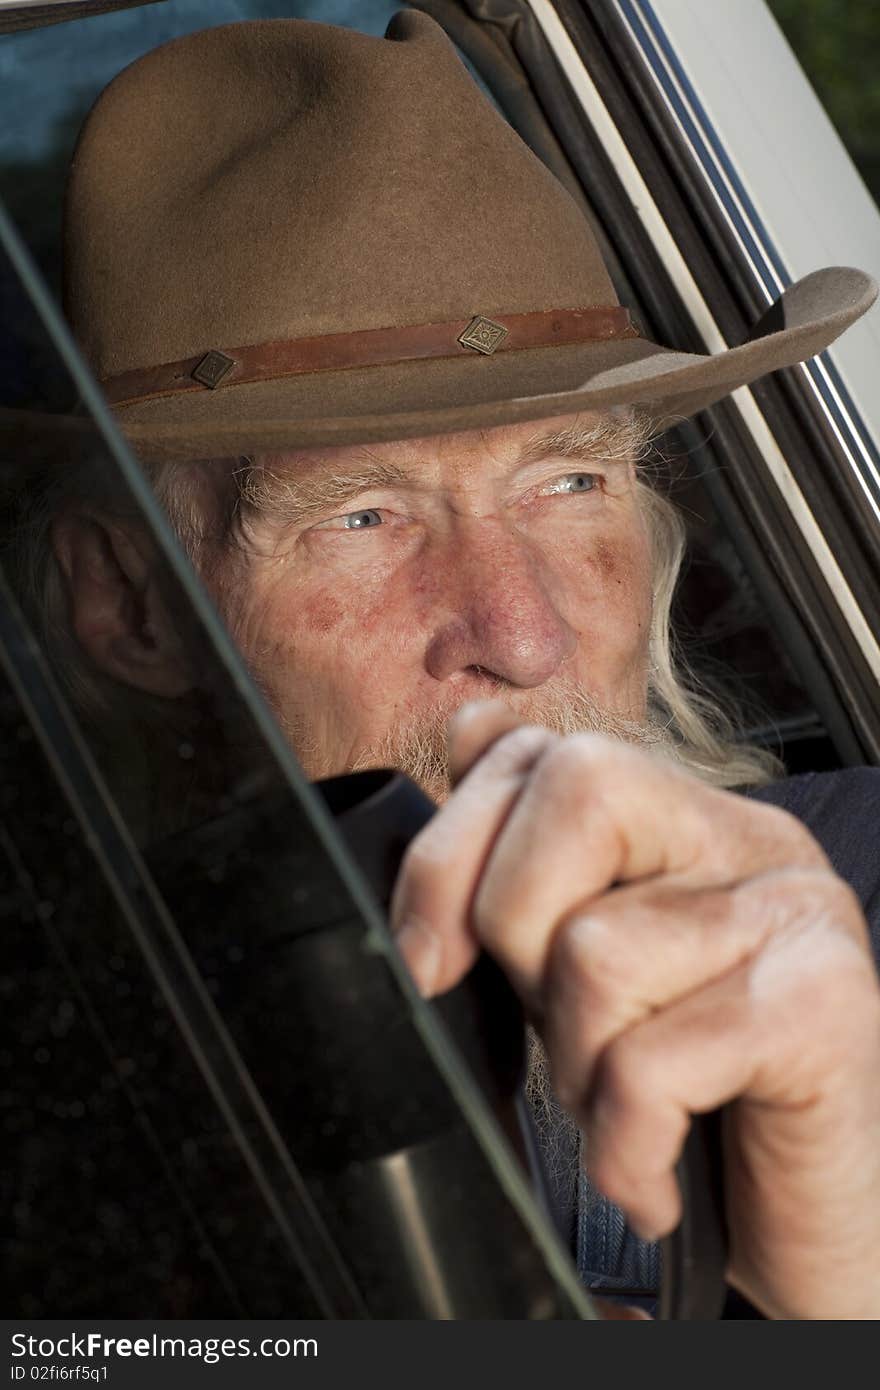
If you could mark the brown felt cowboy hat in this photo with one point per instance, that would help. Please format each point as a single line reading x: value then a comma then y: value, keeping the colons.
x: 282, y: 233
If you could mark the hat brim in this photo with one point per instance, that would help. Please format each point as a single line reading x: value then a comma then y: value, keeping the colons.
x: 439, y: 396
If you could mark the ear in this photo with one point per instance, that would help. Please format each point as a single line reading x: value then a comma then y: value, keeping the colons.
x: 116, y: 607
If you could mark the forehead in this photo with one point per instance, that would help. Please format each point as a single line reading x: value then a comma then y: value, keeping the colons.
x: 612, y: 434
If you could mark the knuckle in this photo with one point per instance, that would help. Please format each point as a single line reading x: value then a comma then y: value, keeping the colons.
x: 730, y: 831
x: 590, y: 950
x: 805, y: 898
x: 822, y: 983
x: 787, y: 838
x: 578, y: 754
x: 598, y: 756
x: 718, y: 827
x: 518, y: 747
x: 829, y: 895
x: 624, y: 1074
x: 573, y: 771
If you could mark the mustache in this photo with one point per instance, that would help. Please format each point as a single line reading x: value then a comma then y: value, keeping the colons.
x: 418, y: 745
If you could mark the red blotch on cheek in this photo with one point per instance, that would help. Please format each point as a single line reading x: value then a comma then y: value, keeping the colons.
x: 321, y: 614
x: 611, y: 562
x: 625, y: 577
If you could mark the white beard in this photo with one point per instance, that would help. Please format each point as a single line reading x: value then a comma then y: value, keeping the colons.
x: 420, y: 748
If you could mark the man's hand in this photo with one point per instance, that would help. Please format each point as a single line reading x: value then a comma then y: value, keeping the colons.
x: 679, y: 948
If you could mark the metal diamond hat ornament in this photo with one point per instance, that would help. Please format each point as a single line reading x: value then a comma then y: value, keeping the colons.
x: 483, y: 335
x: 213, y: 368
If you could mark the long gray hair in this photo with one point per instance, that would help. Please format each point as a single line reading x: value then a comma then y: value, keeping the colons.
x: 698, y: 729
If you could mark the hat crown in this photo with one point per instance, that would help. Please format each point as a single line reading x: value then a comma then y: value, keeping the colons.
x: 280, y: 179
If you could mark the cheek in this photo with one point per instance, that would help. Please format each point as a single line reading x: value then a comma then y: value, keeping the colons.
x: 330, y: 645
x: 624, y: 575
x: 610, y: 609
x: 348, y: 625
x: 614, y: 564
x: 620, y: 573
x: 321, y: 614
x: 611, y: 563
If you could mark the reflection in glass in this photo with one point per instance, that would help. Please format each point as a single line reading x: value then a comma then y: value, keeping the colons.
x: 228, y: 1098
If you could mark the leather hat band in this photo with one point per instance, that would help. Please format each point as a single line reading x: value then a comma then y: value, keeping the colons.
x: 371, y: 347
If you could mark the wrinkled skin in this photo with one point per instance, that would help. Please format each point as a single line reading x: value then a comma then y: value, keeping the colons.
x: 472, y: 576
x: 678, y: 947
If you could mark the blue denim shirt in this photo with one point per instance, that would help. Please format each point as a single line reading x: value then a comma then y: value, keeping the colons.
x: 608, y: 1254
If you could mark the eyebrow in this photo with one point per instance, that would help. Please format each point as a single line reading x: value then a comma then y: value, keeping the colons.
x: 292, y: 497
x: 295, y: 498
x: 611, y: 440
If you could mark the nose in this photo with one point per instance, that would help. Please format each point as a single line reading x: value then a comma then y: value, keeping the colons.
x: 499, y: 610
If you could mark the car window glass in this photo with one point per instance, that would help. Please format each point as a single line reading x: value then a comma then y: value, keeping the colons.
x: 221, y: 1094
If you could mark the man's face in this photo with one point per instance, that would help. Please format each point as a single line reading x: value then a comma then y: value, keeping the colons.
x: 380, y: 587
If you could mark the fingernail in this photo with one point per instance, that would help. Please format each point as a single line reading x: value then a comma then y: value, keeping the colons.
x: 420, y: 947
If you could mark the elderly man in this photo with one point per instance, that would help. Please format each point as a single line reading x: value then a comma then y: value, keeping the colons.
x: 369, y: 352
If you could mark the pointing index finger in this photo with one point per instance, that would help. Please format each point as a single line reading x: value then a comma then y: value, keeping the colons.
x: 430, y: 906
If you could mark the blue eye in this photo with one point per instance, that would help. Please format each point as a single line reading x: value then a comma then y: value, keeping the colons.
x: 362, y: 521
x: 573, y: 482
x: 579, y: 482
